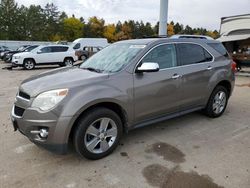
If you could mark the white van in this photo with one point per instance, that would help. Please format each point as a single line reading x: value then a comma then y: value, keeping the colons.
x: 80, y: 43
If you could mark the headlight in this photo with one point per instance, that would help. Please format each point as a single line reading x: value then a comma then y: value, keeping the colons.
x: 49, y: 99
x: 17, y: 57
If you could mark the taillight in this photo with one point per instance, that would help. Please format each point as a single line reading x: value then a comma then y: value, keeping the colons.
x: 234, y: 66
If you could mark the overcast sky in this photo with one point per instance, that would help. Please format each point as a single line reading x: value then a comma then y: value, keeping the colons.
x: 196, y: 13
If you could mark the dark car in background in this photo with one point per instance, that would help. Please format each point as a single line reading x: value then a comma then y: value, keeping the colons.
x: 87, y: 52
x: 8, y: 55
x: 3, y: 49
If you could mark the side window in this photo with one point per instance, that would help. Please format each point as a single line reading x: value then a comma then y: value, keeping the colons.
x: 59, y: 49
x: 164, y: 55
x: 95, y: 49
x: 77, y: 46
x: 192, y: 53
x: 219, y: 48
x: 46, y: 50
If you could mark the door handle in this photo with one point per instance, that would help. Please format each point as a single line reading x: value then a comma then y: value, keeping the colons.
x: 176, y: 76
x: 209, y: 68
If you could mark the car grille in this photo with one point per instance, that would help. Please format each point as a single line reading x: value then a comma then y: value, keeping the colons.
x: 18, y: 111
x: 24, y: 95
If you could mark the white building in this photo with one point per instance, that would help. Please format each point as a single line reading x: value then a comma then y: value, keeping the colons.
x: 235, y: 32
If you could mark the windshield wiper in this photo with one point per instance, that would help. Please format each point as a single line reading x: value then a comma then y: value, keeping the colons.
x: 92, y: 69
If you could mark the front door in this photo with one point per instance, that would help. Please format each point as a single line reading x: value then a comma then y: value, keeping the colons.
x: 45, y: 55
x: 157, y: 93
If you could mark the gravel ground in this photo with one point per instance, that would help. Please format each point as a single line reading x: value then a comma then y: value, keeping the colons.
x: 192, y: 151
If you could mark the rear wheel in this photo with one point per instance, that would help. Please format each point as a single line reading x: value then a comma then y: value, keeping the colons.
x: 28, y: 64
x: 98, y: 133
x: 68, y: 61
x: 218, y: 102
x: 84, y: 57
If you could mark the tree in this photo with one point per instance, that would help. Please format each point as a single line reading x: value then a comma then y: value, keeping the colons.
x: 178, y: 28
x: 35, y: 28
x: 8, y: 19
x: 72, y: 28
x: 171, y: 29
x: 109, y: 33
x: 52, y: 19
x: 94, y: 27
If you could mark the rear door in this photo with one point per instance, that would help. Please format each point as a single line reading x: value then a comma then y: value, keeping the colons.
x: 157, y: 93
x: 59, y: 53
x: 196, y: 68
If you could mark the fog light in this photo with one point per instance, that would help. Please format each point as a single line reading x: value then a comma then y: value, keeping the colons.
x: 44, y: 133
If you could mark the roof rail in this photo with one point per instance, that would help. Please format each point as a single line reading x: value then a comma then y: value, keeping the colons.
x: 191, y: 36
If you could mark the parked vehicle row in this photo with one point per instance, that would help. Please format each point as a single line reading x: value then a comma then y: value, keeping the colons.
x: 45, y: 55
x: 28, y: 56
x: 127, y: 85
x: 7, y: 57
x: 3, y: 49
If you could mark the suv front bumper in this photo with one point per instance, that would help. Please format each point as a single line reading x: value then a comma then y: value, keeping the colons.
x: 32, y: 121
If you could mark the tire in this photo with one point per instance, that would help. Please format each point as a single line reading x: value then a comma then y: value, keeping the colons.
x: 89, y: 130
x: 68, y: 61
x: 217, y: 102
x: 29, y: 64
x: 83, y: 58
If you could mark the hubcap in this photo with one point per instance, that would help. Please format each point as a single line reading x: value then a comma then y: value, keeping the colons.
x: 68, y: 62
x: 100, y: 135
x: 29, y: 65
x: 219, y: 102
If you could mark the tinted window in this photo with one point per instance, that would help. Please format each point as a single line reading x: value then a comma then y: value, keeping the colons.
x: 59, y: 48
x: 30, y: 48
x: 46, y: 50
x: 219, y: 48
x: 192, y: 54
x: 164, y: 55
x: 77, y: 46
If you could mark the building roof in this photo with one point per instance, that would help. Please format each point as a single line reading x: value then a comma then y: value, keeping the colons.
x: 232, y: 38
x: 234, y: 28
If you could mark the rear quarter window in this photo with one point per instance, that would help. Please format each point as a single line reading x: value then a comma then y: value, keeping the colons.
x: 189, y: 54
x: 60, y: 49
x: 219, y: 48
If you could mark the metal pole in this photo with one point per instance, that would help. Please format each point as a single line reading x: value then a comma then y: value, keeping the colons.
x: 163, y: 18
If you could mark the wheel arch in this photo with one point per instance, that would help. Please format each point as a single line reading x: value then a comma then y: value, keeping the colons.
x: 68, y: 57
x: 109, y: 105
x: 27, y: 58
x: 226, y: 84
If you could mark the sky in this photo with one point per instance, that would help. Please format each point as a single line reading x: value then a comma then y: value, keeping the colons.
x: 196, y: 13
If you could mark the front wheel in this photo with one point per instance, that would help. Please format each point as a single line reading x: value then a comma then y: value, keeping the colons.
x: 98, y: 133
x: 217, y: 102
x: 28, y: 64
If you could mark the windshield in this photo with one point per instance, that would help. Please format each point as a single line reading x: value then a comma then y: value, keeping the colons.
x: 76, y: 46
x: 29, y: 49
x: 113, y: 58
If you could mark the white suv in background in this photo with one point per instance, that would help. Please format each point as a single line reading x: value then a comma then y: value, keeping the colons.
x: 44, y: 55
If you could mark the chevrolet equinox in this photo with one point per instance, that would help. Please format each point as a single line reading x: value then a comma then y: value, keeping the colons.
x: 127, y: 85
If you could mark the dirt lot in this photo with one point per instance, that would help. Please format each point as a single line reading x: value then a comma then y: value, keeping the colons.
x: 192, y: 151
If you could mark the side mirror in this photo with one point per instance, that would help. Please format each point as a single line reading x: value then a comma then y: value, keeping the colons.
x: 148, y: 67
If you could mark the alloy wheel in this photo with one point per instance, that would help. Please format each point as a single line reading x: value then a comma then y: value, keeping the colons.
x: 219, y: 102
x: 100, y: 135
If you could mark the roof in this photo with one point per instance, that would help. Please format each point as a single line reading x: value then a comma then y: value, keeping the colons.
x: 151, y: 40
x: 230, y: 38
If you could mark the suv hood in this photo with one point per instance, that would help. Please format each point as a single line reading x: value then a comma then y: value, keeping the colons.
x: 67, y: 77
x: 22, y: 54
